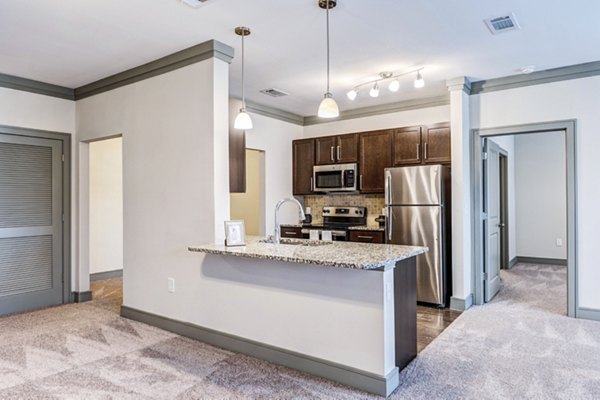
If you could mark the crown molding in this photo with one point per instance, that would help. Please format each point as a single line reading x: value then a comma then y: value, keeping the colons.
x: 191, y: 55
x: 275, y: 113
x: 461, y: 83
x: 382, y: 109
x: 537, y: 78
x: 29, y: 85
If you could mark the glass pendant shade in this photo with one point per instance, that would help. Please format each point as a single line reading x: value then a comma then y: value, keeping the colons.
x: 419, y: 82
x: 374, y: 92
x: 394, y: 85
x: 243, y: 120
x: 352, y: 94
x: 328, y: 107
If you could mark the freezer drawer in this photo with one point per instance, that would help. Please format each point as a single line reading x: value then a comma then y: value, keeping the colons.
x: 421, y: 226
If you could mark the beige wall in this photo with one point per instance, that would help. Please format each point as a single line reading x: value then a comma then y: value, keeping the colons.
x: 246, y: 206
x: 106, y: 205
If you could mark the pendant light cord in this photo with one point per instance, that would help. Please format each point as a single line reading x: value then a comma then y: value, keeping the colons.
x: 243, y: 74
x: 328, y: 46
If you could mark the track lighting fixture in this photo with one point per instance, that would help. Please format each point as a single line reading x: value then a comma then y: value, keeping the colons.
x: 393, y: 86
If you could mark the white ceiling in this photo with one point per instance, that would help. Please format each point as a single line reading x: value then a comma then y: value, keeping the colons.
x: 75, y: 42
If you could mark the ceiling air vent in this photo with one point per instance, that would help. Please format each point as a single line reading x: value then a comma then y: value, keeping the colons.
x: 274, y: 92
x: 503, y: 23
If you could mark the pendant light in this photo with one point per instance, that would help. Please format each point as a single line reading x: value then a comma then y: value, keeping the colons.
x: 419, y: 82
x: 328, y: 107
x: 243, y: 120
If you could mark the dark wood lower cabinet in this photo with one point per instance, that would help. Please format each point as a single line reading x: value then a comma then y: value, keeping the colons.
x: 367, y: 236
x: 291, y: 232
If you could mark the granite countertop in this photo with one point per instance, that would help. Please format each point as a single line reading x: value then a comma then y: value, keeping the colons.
x: 367, y: 228
x: 329, y: 254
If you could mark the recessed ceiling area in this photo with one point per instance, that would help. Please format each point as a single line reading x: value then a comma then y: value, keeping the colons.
x: 72, y: 43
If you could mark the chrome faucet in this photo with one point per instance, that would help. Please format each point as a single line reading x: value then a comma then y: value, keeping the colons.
x: 277, y: 235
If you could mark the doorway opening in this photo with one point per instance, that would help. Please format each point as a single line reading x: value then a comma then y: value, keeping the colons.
x: 249, y: 206
x: 105, y: 180
x: 524, y: 215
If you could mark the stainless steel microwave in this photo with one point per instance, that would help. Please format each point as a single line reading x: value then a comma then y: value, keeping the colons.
x: 335, y: 178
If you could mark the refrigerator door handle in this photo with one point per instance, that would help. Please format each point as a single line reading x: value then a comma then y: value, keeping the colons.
x: 388, y: 188
x: 389, y: 223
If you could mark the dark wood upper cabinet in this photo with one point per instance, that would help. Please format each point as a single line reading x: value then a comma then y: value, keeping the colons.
x: 407, y: 146
x: 325, y: 148
x: 436, y: 144
x: 375, y: 155
x: 347, y: 148
x: 237, y: 161
x: 303, y: 159
x: 336, y: 149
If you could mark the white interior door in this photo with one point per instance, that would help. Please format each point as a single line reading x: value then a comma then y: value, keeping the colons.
x: 491, y: 206
x: 31, y: 226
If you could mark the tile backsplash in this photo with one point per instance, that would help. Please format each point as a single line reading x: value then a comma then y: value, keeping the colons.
x: 373, y: 202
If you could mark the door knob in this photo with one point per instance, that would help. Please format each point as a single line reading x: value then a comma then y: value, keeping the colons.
x: 501, y: 225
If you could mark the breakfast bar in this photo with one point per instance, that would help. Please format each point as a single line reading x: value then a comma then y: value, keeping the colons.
x: 344, y: 311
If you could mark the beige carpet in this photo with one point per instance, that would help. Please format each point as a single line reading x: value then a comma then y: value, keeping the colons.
x: 519, y: 346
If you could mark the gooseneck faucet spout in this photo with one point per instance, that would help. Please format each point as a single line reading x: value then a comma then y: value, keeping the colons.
x: 277, y: 234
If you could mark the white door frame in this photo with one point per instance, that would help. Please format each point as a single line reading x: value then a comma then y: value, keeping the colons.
x: 569, y: 129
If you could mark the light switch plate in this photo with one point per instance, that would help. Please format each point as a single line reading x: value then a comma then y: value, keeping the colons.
x: 171, y: 285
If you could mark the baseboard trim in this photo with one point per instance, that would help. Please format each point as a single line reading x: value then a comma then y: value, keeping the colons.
x: 540, y: 260
x: 369, y: 382
x: 456, y: 303
x: 587, y: 313
x: 99, y: 276
x: 82, y: 297
x: 513, y: 262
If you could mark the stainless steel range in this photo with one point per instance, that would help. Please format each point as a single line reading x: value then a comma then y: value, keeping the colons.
x: 338, y: 220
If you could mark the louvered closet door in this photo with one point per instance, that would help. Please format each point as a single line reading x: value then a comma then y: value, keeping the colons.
x: 31, y: 225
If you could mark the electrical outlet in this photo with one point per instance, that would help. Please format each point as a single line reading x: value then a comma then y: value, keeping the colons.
x: 171, y: 285
x: 558, y: 242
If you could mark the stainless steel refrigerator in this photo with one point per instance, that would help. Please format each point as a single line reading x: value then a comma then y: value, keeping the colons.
x: 416, y: 215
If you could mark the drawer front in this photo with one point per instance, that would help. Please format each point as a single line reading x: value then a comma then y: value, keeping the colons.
x: 367, y: 236
x: 291, y: 232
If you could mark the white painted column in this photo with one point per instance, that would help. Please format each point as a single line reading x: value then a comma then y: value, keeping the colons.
x: 461, y: 194
x: 220, y: 139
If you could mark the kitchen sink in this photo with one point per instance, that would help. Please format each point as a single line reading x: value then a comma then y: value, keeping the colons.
x: 297, y: 242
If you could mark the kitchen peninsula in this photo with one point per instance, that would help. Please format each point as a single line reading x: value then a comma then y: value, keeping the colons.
x: 344, y: 311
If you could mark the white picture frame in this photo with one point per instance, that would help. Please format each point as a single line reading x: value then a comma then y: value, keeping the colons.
x: 235, y: 233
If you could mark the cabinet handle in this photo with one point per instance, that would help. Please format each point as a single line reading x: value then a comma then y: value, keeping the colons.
x: 332, y: 159
x: 312, y: 184
x: 419, y: 151
x: 365, y: 237
x: 360, y: 182
x: 290, y: 233
x: 339, y: 152
x: 426, y: 150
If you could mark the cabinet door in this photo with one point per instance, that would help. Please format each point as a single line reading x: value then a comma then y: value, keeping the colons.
x: 375, y: 155
x: 347, y: 148
x: 367, y: 236
x: 407, y: 146
x: 325, y: 150
x: 436, y: 144
x: 303, y: 161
